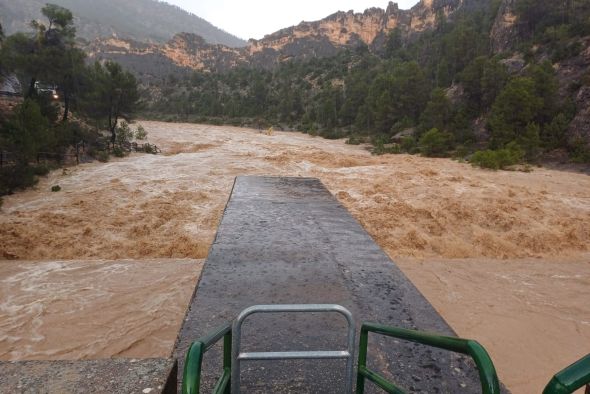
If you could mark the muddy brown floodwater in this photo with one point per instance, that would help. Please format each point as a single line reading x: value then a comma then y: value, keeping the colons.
x: 503, y: 256
x: 68, y: 310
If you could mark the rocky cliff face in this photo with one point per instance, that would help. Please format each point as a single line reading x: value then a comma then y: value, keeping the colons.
x: 307, y: 40
x: 191, y: 51
x: 349, y: 29
x: 505, y: 29
x: 342, y: 29
x: 184, y: 52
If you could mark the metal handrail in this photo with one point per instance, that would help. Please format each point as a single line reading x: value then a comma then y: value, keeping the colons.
x: 238, y: 356
x: 487, y: 372
x: 191, y: 379
x: 571, y: 378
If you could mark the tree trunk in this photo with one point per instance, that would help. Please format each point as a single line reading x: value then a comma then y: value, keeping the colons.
x: 113, y: 128
x: 66, y: 106
x: 32, y: 89
x: 112, y: 124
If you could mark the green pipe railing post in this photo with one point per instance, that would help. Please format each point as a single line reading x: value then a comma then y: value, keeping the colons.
x: 485, y: 367
x: 227, y: 341
x: 363, y: 344
x: 571, y: 378
x: 191, y: 379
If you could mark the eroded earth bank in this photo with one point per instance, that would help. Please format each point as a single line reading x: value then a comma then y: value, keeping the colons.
x: 503, y: 256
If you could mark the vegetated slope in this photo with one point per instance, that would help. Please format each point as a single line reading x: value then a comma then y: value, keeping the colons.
x: 142, y: 20
x: 453, y: 77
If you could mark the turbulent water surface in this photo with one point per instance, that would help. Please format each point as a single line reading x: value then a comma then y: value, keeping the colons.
x: 92, y: 309
x: 502, y: 255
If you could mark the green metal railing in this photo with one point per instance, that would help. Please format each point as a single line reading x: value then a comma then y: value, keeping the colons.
x: 566, y: 381
x: 238, y: 356
x: 191, y: 382
x: 487, y: 372
x: 571, y: 378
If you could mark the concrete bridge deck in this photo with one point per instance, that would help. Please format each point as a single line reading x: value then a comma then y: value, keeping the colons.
x: 157, y: 375
x: 287, y: 240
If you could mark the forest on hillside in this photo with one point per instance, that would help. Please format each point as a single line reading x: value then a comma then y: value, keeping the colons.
x: 65, y: 104
x: 443, y: 94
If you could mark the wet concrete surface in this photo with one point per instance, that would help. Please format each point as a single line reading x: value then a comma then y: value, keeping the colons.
x: 89, y: 376
x: 288, y: 240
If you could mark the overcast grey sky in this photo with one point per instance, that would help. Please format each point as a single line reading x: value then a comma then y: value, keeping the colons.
x: 255, y: 18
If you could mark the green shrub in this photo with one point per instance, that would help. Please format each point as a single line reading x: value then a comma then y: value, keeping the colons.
x: 554, y: 134
x: 331, y: 134
x: 124, y: 134
x: 461, y: 152
x: 581, y: 156
x: 27, y: 132
x: 383, y: 149
x: 579, y: 151
x: 102, y: 156
x: 516, y: 107
x: 118, y: 151
x: 498, y: 159
x: 401, y: 125
x: 434, y: 143
x: 382, y: 145
x: 563, y: 52
x: 55, y: 188
x: 354, y: 140
x: 16, y: 177
x: 486, y: 159
x: 395, y: 149
x: 409, y: 145
x: 378, y: 141
x: 140, y: 133
x: 41, y: 169
x: 530, y: 141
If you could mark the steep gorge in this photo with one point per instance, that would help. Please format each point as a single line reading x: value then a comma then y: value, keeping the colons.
x: 323, y: 38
